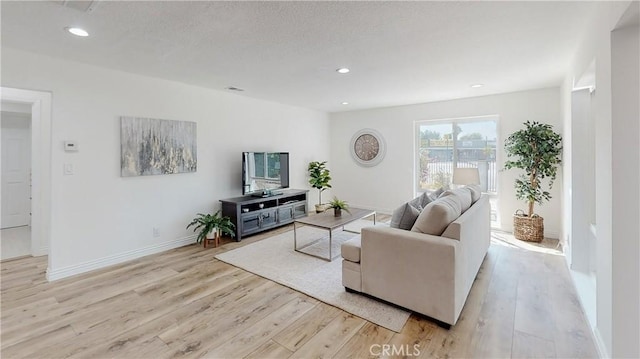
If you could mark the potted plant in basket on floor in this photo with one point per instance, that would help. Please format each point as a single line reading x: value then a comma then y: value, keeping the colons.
x: 319, y: 177
x: 536, y: 149
x: 338, y: 206
x: 212, y: 226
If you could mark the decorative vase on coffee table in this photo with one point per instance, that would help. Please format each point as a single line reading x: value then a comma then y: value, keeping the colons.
x: 337, y: 212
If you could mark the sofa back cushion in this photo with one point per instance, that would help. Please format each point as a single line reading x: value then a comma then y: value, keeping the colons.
x: 476, y: 192
x: 438, y: 214
x: 463, y: 195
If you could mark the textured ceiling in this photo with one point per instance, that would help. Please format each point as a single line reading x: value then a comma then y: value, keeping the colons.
x: 398, y: 52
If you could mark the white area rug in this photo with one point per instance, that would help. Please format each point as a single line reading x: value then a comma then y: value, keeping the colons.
x: 274, y: 258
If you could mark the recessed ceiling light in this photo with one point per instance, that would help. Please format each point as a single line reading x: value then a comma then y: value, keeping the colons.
x: 475, y: 86
x: 343, y: 70
x: 345, y: 103
x: 77, y: 31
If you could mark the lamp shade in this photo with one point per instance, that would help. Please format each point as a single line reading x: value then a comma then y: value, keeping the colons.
x: 466, y: 176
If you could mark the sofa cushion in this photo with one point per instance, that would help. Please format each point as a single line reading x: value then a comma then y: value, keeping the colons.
x: 404, y: 216
x: 463, y: 195
x: 351, y: 266
x: 476, y: 192
x: 435, y: 218
x: 350, y: 250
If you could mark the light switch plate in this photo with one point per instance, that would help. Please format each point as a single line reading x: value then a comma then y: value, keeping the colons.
x: 68, y: 169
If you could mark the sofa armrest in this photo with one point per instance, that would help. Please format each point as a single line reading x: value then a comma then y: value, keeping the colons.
x: 414, y: 270
x: 473, y: 230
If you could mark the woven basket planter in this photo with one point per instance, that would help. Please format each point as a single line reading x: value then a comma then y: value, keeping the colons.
x: 525, y: 228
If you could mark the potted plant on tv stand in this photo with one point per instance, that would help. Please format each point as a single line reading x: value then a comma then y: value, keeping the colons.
x: 211, y: 227
x: 537, y: 149
x: 319, y: 177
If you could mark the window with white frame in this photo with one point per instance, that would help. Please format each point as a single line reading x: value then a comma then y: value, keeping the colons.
x: 444, y: 145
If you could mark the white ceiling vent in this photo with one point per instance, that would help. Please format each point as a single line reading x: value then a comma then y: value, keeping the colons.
x: 81, y: 5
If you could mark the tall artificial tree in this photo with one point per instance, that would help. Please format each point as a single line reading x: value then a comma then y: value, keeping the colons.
x: 537, y: 150
x: 319, y: 177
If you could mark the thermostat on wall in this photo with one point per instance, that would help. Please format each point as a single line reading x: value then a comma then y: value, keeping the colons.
x: 70, y: 146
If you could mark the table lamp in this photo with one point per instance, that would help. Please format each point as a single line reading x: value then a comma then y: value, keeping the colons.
x: 465, y: 176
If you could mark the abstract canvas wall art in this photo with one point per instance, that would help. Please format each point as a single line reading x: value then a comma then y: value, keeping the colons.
x: 154, y: 147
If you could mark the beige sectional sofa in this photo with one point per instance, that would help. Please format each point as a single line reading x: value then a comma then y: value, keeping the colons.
x: 430, y: 273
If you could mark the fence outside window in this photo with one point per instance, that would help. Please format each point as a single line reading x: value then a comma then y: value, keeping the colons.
x: 436, y: 174
x: 445, y: 145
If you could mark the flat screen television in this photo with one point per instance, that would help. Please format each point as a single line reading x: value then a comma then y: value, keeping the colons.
x: 263, y: 173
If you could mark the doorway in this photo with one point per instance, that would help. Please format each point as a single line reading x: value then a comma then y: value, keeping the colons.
x: 40, y: 154
x: 15, y: 180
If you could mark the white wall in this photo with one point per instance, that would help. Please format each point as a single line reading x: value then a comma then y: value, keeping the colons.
x: 625, y: 130
x: 611, y: 331
x: 579, y: 146
x: 391, y: 183
x: 100, y: 218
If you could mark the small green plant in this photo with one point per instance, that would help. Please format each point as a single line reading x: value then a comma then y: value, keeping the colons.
x: 339, y: 204
x: 537, y: 149
x: 319, y: 177
x: 206, y: 223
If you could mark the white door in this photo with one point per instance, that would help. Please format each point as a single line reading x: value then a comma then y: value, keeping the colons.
x: 16, y: 172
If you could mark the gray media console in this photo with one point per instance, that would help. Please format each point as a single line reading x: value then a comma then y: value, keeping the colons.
x: 256, y: 214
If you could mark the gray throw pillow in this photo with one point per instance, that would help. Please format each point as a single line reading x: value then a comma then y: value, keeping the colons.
x: 404, y: 217
x: 425, y: 199
x: 435, y: 194
x: 416, y: 203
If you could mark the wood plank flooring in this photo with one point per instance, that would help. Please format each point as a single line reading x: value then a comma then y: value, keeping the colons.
x: 185, y: 303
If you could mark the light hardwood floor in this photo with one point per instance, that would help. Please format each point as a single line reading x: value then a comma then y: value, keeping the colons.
x: 15, y: 242
x: 185, y: 303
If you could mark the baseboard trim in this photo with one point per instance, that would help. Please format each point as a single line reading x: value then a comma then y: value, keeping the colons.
x: 377, y: 209
x: 585, y: 288
x: 42, y: 251
x: 550, y: 235
x: 64, y: 272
